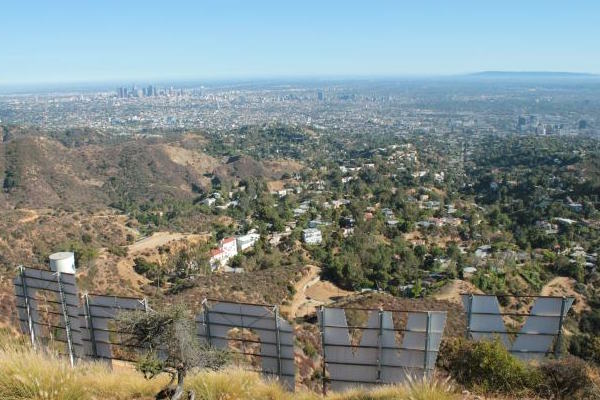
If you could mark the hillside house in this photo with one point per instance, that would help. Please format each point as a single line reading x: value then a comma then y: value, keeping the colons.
x: 229, y: 246
x: 312, y: 236
x: 483, y: 251
x: 247, y: 241
x: 217, y: 258
x: 226, y: 250
x: 209, y: 201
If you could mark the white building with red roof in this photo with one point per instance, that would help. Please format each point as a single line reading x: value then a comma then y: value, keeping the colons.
x: 226, y: 250
x: 229, y: 246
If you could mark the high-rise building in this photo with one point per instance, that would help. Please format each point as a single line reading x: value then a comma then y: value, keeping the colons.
x: 320, y: 95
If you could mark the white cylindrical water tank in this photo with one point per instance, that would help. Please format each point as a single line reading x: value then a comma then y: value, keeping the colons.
x: 63, y: 262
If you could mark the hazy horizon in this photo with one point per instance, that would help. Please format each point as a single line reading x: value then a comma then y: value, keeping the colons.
x: 110, y: 85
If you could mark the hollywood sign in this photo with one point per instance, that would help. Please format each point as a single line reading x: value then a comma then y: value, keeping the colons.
x: 392, y: 346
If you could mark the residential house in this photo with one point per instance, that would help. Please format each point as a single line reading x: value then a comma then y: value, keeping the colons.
x: 247, y: 241
x: 312, y: 236
x: 209, y: 201
x: 226, y: 250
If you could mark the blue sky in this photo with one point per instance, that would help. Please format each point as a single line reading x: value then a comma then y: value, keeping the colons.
x: 105, y: 40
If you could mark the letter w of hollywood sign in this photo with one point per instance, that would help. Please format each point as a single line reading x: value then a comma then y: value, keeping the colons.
x: 534, y: 339
x: 378, y: 358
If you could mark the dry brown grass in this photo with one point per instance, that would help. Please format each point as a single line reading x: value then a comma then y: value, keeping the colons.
x: 26, y: 374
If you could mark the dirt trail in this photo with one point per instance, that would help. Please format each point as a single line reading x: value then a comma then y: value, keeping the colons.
x: 299, y: 296
x: 156, y: 240
x: 33, y: 215
x: 312, y: 292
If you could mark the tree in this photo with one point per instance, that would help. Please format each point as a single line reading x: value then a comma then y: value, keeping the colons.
x: 85, y: 252
x: 168, y: 335
x: 11, y: 181
x: 417, y: 289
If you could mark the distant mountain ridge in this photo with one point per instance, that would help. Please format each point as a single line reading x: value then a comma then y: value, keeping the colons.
x: 531, y: 75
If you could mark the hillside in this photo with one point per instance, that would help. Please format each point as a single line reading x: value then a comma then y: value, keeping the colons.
x: 82, y: 191
x: 144, y: 213
x: 243, y: 167
x: 40, y: 170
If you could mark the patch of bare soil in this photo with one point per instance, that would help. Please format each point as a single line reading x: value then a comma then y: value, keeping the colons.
x: 414, y: 237
x: 31, y: 216
x: 182, y: 156
x: 320, y: 293
x: 325, y: 291
x: 282, y: 166
x: 563, y: 286
x: 452, y: 290
x: 275, y: 185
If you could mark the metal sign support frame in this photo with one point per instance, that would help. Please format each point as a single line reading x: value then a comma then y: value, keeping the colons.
x: 206, y: 321
x: 557, y: 347
x: 65, y: 311
x: 277, y: 340
x: 427, y: 344
x: 469, y: 314
x: 27, y: 306
x: 90, y: 323
x: 380, y: 346
x: 324, y: 361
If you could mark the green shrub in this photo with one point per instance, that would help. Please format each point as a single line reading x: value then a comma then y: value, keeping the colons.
x: 291, y: 289
x: 149, y: 269
x: 586, y: 347
x: 118, y: 251
x: 11, y: 181
x: 590, y: 321
x: 310, y: 350
x: 567, y: 379
x: 85, y: 253
x: 487, y: 367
